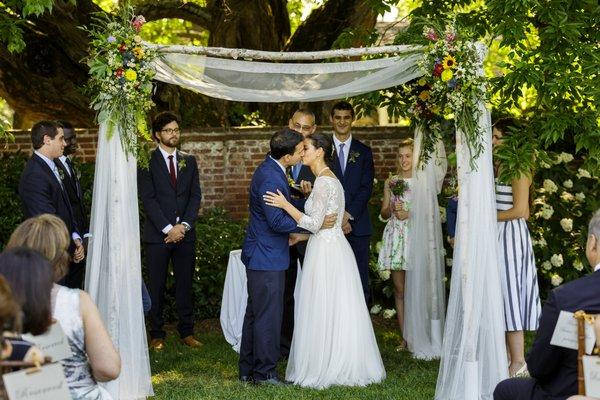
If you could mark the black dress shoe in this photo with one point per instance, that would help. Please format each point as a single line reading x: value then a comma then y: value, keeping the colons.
x: 272, y: 382
x: 246, y: 379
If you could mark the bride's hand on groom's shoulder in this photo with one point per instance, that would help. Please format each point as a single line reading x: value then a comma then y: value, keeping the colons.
x: 275, y: 199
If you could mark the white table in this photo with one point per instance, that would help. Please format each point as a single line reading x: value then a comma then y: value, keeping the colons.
x: 235, y: 297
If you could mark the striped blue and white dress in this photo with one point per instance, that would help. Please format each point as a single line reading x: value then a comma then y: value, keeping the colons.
x: 520, y: 289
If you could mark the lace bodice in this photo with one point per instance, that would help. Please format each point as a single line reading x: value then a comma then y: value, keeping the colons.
x: 326, y: 198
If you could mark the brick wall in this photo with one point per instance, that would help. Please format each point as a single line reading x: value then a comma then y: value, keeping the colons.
x: 228, y: 157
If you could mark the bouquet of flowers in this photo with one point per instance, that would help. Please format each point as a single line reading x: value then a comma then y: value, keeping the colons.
x: 121, y: 76
x: 398, y: 186
x: 451, y: 88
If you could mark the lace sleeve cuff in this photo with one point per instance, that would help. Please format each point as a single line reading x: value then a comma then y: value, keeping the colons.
x: 308, y: 223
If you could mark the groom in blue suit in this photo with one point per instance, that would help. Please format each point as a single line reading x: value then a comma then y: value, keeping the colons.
x: 353, y: 165
x: 265, y: 253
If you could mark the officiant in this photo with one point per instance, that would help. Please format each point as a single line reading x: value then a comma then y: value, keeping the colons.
x: 170, y: 193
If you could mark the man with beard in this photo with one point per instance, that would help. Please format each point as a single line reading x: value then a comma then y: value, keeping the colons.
x: 170, y: 193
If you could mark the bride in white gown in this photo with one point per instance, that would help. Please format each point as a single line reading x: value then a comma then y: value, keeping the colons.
x: 333, y: 342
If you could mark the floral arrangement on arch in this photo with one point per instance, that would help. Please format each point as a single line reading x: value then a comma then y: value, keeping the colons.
x: 121, y: 76
x: 452, y: 87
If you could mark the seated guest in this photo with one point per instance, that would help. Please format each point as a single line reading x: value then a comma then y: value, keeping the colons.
x: 12, y: 347
x: 553, y: 369
x: 95, y: 358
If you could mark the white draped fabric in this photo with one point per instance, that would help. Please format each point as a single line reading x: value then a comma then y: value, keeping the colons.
x: 474, y: 352
x: 425, y: 294
x: 113, y: 270
x: 251, y: 81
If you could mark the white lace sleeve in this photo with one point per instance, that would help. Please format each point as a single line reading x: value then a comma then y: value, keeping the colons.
x: 316, y: 207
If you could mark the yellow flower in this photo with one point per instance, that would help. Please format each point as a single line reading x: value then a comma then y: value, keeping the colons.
x: 449, y: 62
x: 424, y: 95
x: 422, y: 82
x: 130, y: 75
x: 138, y: 52
x: 447, y: 75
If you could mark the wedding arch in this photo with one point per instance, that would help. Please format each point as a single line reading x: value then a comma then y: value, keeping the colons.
x: 473, y: 358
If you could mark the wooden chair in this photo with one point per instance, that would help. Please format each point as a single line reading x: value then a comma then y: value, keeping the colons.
x: 582, y: 318
x: 11, y: 366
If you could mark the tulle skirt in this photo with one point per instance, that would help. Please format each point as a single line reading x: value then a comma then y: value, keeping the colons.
x: 333, y: 342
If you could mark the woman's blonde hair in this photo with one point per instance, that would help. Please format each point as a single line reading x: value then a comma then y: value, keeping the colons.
x: 47, y: 234
x: 408, y: 142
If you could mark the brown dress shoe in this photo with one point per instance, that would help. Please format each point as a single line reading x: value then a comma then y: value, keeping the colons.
x: 191, y: 342
x: 157, y: 344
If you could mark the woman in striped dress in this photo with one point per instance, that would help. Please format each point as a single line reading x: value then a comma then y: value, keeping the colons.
x: 522, y: 306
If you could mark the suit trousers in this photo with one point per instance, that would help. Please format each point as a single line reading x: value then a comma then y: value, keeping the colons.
x: 360, y: 246
x: 75, y: 275
x: 519, y: 389
x: 287, y: 327
x: 182, y: 256
x: 261, y: 333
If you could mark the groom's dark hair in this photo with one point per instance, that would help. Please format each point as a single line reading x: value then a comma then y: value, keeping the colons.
x: 284, y: 142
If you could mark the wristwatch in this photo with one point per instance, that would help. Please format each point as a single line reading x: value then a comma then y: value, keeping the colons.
x: 186, y: 226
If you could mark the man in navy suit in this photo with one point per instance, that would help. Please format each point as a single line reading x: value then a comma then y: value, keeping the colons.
x: 41, y: 188
x: 171, y: 195
x: 553, y: 369
x: 353, y: 165
x: 70, y: 180
x: 303, y: 121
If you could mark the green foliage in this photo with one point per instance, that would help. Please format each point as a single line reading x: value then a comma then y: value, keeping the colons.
x: 11, y: 214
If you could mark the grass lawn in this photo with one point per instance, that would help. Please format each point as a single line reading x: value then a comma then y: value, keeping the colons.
x: 211, y: 372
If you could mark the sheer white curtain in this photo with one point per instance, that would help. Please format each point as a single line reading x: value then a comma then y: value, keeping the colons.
x: 113, y: 271
x: 425, y: 294
x: 474, y: 351
x: 252, y: 81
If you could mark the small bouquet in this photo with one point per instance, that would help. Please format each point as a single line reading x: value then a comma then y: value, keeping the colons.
x: 398, y: 186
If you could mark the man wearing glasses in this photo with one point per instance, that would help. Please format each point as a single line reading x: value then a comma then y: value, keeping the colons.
x: 170, y: 193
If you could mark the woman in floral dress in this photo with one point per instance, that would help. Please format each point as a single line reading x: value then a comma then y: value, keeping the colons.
x: 393, y: 255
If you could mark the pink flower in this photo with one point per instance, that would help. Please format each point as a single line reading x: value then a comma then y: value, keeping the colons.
x: 450, y: 37
x: 431, y: 35
x: 137, y: 22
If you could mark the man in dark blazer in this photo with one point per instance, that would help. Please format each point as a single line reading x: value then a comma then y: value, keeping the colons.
x: 70, y: 180
x: 41, y: 188
x: 353, y: 165
x: 553, y: 369
x: 170, y: 193
x: 265, y: 253
x: 302, y: 121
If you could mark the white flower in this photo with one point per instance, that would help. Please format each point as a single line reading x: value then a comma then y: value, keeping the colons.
x: 547, y: 265
x: 374, y: 181
x: 567, y: 224
x: 443, y: 251
x: 545, y: 212
x: 448, y: 262
x: 378, y: 246
x: 556, y: 260
x: 566, y: 157
x: 376, y: 309
x: 544, y: 165
x: 542, y: 243
x: 583, y: 173
x: 550, y: 186
x: 556, y: 279
x: 580, y: 196
x: 443, y: 215
x: 578, y: 265
x: 385, y: 274
x: 568, y: 184
x: 389, y: 313
x: 566, y: 196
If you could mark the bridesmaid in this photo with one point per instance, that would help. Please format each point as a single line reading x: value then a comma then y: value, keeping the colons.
x: 394, y: 250
x: 522, y: 306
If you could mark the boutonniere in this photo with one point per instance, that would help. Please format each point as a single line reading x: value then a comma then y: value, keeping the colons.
x: 181, y: 164
x: 78, y: 174
x: 61, y: 173
x: 353, y: 156
x: 291, y: 181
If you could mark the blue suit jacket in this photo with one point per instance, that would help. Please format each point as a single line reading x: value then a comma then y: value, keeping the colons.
x: 41, y: 193
x: 266, y: 247
x: 357, y: 181
x: 555, y: 368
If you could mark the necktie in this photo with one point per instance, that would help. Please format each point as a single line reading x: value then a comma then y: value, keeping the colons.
x: 172, y: 171
x: 342, y: 158
x: 74, y: 177
x: 296, y: 171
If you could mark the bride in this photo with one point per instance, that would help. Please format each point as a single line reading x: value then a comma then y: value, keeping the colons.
x: 333, y: 342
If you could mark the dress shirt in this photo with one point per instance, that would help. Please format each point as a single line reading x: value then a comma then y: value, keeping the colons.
x: 63, y: 160
x: 347, y: 145
x: 166, y: 157
x: 597, y: 267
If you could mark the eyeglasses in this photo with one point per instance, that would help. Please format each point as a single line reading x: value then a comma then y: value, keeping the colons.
x: 171, y: 130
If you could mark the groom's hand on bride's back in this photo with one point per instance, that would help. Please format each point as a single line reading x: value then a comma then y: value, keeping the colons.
x: 329, y: 221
